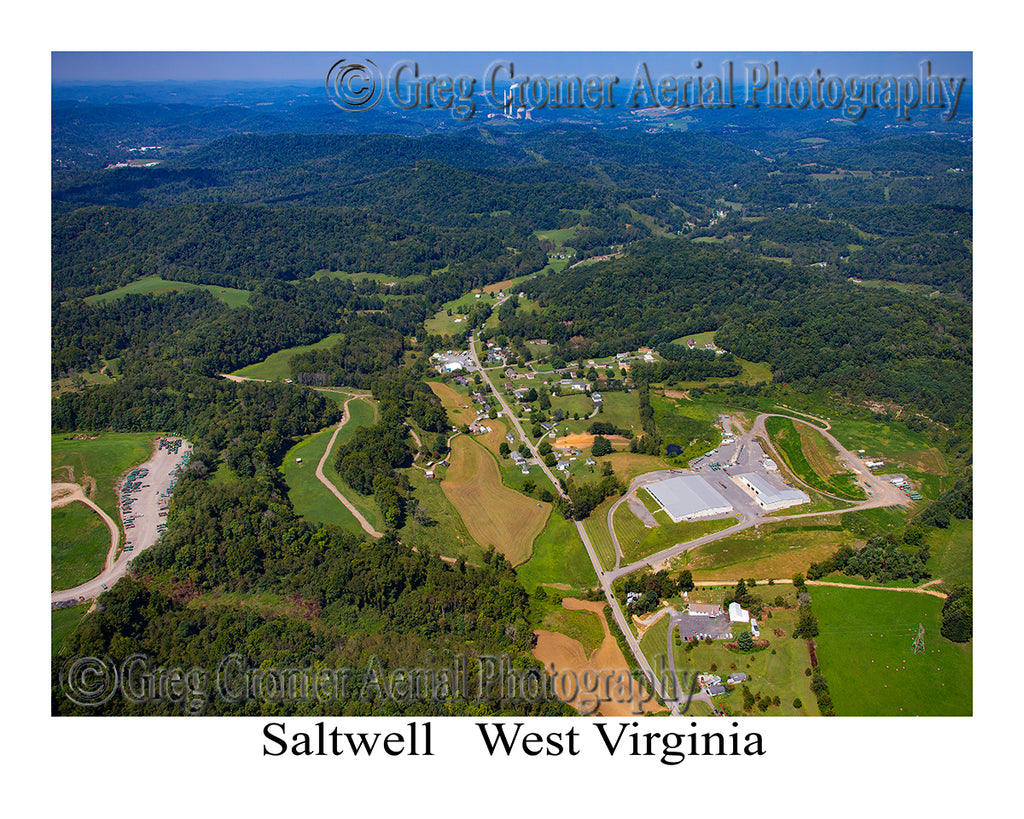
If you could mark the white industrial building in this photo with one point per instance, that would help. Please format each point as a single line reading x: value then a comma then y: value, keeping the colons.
x: 687, y: 497
x: 769, y: 494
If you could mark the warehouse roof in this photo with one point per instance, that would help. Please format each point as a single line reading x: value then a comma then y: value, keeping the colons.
x: 771, y: 493
x: 688, y: 496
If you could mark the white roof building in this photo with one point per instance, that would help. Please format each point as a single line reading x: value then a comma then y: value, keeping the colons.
x: 687, y: 497
x: 738, y: 614
x: 769, y: 495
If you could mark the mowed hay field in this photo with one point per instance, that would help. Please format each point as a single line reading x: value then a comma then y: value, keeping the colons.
x: 453, y: 403
x: 494, y: 514
x: 79, y: 542
x: 865, y: 649
x: 96, y: 463
x: 592, y: 682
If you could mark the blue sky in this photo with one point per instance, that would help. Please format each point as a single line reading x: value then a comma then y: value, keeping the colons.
x: 126, y: 66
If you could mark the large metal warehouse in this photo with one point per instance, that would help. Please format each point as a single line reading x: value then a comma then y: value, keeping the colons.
x: 770, y: 495
x: 687, y: 497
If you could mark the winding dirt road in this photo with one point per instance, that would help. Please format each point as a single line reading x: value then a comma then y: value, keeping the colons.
x: 61, y: 494
x: 334, y: 490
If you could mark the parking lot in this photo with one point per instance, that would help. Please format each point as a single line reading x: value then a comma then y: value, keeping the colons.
x: 145, y: 493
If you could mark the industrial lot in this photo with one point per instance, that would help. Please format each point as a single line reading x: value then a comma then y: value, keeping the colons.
x: 736, y: 478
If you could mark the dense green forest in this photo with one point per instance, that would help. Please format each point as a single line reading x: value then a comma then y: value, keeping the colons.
x: 811, y: 329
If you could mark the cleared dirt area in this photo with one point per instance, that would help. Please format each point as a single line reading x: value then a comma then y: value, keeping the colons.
x: 494, y: 514
x: 581, y: 440
x: 568, y: 658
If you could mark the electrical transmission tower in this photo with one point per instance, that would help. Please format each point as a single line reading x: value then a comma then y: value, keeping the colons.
x: 919, y: 640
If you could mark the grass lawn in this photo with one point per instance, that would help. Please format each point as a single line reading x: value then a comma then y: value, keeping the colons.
x: 558, y: 557
x: 63, y: 623
x: 276, y: 367
x: 573, y: 403
x: 700, y: 339
x: 637, y: 541
x: 155, y: 285
x: 97, y: 464
x: 780, y: 674
x: 79, y: 542
x: 864, y: 647
x: 310, y: 498
x: 621, y: 409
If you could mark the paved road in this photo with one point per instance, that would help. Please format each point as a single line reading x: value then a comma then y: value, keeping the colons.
x: 511, y: 416
x: 613, y: 604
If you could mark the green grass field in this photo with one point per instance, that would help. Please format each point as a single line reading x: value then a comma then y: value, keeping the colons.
x: 276, y: 367
x: 559, y: 235
x: 891, y: 441
x: 864, y: 648
x: 637, y: 541
x: 678, y: 425
x: 99, y: 462
x: 443, y: 324
x: 364, y: 277
x: 952, y: 552
x: 63, y: 623
x: 79, y: 542
x: 444, y: 532
x: 573, y: 404
x: 597, y: 530
x: 769, y: 551
x: 155, y: 285
x: 310, y: 498
x: 558, y: 557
